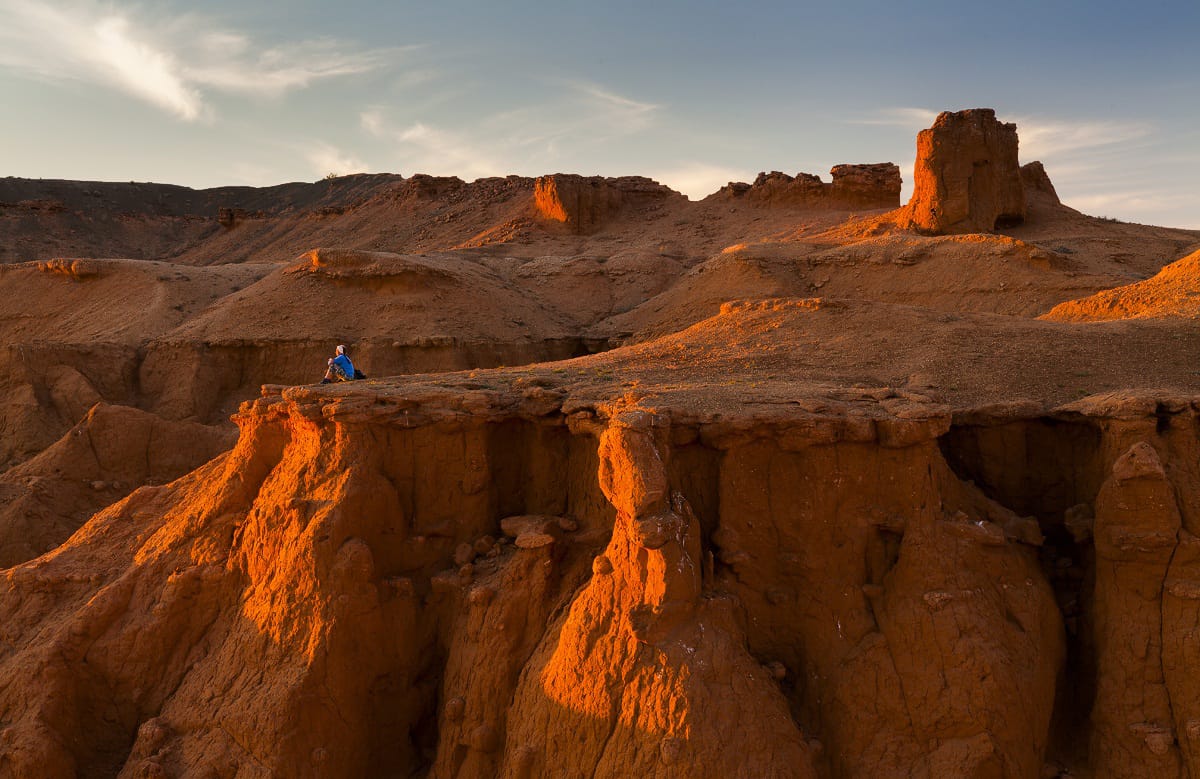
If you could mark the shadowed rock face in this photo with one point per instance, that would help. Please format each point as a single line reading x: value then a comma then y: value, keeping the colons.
x: 584, y: 203
x: 874, y: 185
x: 967, y: 178
x: 1035, y: 179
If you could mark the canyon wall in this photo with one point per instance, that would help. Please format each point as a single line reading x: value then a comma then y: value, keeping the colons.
x: 495, y: 582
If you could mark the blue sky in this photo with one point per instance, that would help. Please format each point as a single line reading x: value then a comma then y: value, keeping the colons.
x: 691, y: 93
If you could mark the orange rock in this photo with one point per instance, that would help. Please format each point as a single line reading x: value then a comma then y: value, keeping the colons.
x: 1133, y: 723
x: 867, y: 186
x: 967, y: 178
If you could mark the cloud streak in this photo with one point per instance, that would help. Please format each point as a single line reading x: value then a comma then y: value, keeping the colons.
x: 1052, y: 137
x: 906, y: 117
x: 328, y: 159
x: 170, y: 64
x: 532, y: 138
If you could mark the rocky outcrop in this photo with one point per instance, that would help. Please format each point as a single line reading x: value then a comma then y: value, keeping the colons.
x: 584, y: 203
x: 1137, y: 533
x: 635, y: 678
x: 967, y: 178
x: 112, y: 451
x: 1037, y: 182
x: 561, y: 593
x: 874, y: 185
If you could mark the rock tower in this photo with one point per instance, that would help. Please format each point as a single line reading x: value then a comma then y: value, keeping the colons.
x: 967, y: 178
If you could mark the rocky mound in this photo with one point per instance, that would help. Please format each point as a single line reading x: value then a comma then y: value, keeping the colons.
x: 112, y: 451
x: 74, y: 333
x: 854, y: 187
x: 583, y: 204
x: 980, y: 273
x: 1037, y: 183
x: 108, y: 301
x: 1172, y: 292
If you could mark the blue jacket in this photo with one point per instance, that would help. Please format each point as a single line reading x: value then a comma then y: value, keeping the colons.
x: 342, y: 364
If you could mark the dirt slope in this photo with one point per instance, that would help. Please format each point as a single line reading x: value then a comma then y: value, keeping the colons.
x: 1172, y: 292
x: 112, y: 451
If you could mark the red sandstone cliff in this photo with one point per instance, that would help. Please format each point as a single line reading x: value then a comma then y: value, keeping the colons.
x: 967, y: 178
x: 514, y: 574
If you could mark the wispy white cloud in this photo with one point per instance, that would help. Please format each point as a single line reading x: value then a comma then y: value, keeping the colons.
x: 621, y: 111
x: 326, y: 158
x: 1042, y: 137
x: 373, y: 122
x: 169, y: 63
x: 275, y: 70
x: 530, y: 138
x: 1132, y: 201
x: 906, y: 117
x: 446, y: 152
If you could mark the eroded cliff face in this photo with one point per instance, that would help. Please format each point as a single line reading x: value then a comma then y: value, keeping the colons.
x: 967, y: 178
x: 585, y: 203
x: 496, y: 583
x: 869, y: 186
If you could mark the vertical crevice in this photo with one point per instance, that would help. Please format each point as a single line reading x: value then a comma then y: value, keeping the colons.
x: 1050, y: 469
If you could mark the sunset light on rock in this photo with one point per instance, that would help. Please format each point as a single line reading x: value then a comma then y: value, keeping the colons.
x: 595, y: 390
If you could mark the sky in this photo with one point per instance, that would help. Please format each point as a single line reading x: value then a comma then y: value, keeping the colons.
x: 693, y: 94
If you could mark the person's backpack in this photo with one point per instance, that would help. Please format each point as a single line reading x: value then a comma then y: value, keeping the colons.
x: 359, y: 375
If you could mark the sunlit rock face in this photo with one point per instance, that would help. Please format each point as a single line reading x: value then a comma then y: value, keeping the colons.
x: 585, y: 203
x: 967, y: 178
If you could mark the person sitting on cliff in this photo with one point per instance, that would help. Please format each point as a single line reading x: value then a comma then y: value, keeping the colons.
x: 340, y: 368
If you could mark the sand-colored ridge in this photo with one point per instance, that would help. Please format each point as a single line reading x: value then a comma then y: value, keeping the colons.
x: 1172, y: 292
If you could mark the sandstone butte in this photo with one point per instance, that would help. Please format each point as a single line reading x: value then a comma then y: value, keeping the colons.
x: 792, y: 481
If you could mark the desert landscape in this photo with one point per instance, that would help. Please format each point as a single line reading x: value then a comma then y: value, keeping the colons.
x: 794, y: 480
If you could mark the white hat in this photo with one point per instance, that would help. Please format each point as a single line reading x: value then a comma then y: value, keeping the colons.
x: 341, y: 349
